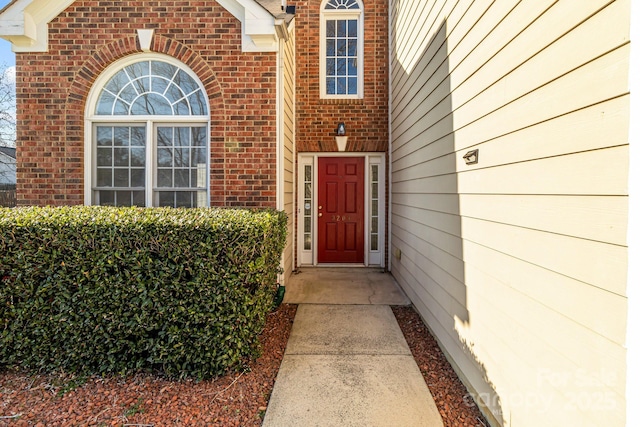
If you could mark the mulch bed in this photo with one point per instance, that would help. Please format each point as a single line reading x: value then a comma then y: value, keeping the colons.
x: 237, y: 399
x: 454, y: 402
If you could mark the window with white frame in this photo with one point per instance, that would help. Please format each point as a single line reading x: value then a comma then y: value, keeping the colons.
x: 341, y: 49
x: 150, y: 136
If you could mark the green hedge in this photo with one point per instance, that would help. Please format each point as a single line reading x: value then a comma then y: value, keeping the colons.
x: 118, y: 290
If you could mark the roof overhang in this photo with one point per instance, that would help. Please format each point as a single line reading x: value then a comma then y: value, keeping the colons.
x: 25, y: 24
x: 261, y: 30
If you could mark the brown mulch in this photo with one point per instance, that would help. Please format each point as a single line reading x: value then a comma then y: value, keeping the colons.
x: 237, y: 399
x: 454, y: 402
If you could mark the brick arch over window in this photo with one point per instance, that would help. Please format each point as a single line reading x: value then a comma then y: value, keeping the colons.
x: 83, y: 82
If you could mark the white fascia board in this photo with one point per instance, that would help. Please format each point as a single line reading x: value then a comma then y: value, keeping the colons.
x: 25, y: 23
x: 258, y: 25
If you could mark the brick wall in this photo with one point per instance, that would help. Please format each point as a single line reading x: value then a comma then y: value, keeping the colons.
x: 366, y: 119
x: 52, y: 90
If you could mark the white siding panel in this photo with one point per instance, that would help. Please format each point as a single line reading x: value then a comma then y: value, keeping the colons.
x: 597, y: 218
x: 518, y: 264
x: 288, y: 150
x: 594, y: 263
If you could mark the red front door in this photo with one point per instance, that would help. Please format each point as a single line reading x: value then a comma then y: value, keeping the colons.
x: 341, y: 209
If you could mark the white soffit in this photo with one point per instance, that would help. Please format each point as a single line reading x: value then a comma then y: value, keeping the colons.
x: 24, y: 23
x: 258, y: 25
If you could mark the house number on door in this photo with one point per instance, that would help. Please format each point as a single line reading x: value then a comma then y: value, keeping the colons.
x: 341, y: 218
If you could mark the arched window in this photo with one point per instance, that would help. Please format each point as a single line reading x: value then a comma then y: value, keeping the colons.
x: 149, y: 139
x: 341, y: 49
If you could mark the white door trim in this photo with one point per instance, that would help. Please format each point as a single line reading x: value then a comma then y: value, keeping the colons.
x: 307, y: 209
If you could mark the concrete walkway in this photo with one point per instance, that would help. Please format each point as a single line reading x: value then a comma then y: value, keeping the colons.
x: 347, y: 362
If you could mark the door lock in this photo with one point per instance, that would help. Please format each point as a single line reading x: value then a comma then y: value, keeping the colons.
x: 320, y: 214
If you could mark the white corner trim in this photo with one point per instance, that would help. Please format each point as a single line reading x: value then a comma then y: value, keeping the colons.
x: 144, y: 38
x: 259, y: 27
x: 25, y: 23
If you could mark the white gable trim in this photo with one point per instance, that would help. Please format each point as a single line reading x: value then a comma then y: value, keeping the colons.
x: 260, y: 30
x: 25, y: 24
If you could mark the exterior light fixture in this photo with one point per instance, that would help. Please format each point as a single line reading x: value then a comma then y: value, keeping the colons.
x: 471, y: 157
x: 341, y: 137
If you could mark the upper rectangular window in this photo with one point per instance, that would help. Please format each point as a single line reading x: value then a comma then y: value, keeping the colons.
x: 341, y: 49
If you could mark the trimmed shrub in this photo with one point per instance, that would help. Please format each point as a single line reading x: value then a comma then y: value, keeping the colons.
x: 118, y: 290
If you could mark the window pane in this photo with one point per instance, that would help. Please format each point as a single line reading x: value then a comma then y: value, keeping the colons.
x: 165, y: 157
x: 117, y: 82
x: 123, y: 198
x: 183, y: 136
x: 341, y: 28
x: 159, y: 85
x: 137, y: 177
x: 103, y: 178
x: 341, y: 85
x: 341, y: 69
x: 183, y: 199
x: 121, y: 136
x: 181, y: 178
x: 106, y: 198
x: 120, y: 177
x: 121, y: 108
x: 182, y: 108
x: 331, y: 28
x: 352, y: 48
x: 138, y: 136
x: 129, y: 94
x: 353, y: 85
x: 165, y: 136
x: 137, y: 70
x: 341, y: 47
x: 104, y: 157
x: 138, y: 198
x: 198, y: 156
x: 331, y: 86
x: 121, y: 156
x: 331, y: 47
x: 165, y: 198
x: 331, y: 67
x: 105, y: 103
x: 105, y: 135
x: 152, y: 88
x: 352, y: 67
x: 181, y: 158
x: 165, y: 178
x: 163, y: 69
x: 353, y: 28
x: 199, y: 135
x: 151, y: 104
x: 137, y: 156
x: 198, y: 104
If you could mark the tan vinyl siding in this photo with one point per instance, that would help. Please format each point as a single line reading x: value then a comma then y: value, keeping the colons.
x: 289, y: 149
x: 518, y: 263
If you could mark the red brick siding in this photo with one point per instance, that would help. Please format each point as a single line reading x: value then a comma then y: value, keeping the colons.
x: 52, y: 90
x: 366, y: 119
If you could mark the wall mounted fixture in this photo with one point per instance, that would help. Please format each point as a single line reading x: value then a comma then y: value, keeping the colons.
x: 341, y: 137
x: 471, y: 157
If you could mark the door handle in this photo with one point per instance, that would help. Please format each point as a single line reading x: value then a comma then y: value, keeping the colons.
x: 320, y: 214
x: 319, y: 207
